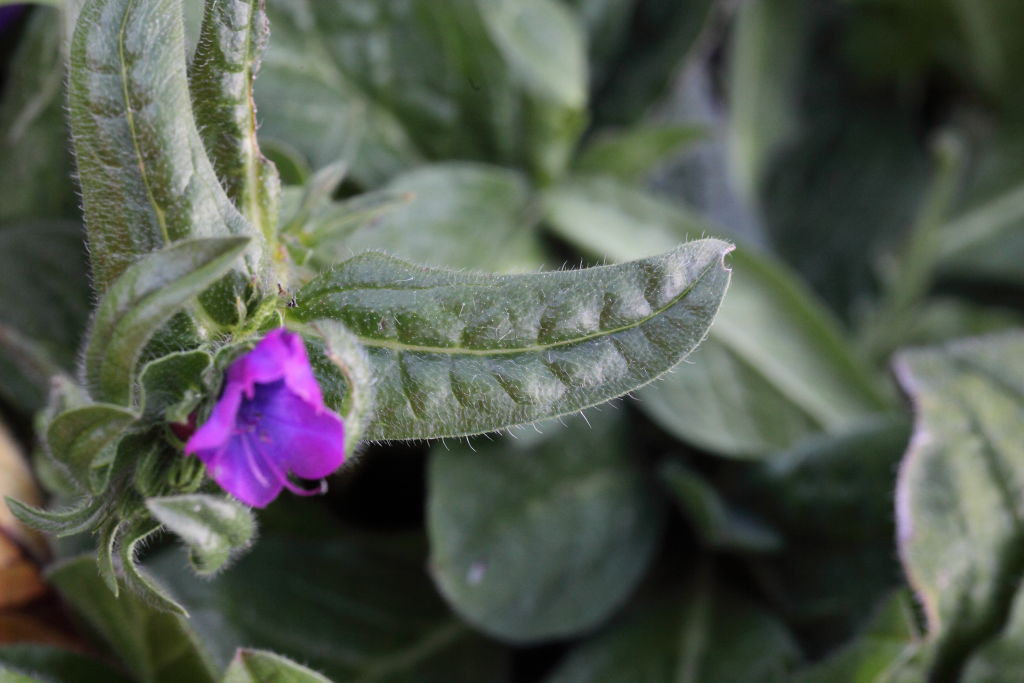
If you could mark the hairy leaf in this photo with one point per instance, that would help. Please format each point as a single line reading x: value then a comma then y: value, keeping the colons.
x: 172, y: 386
x: 463, y: 353
x: 80, y: 438
x: 142, y: 299
x: 215, y: 528
x: 232, y: 39
x: 66, y: 522
x: 960, y: 525
x: 155, y: 646
x: 146, y: 181
x: 775, y: 368
x: 542, y: 536
x: 255, y: 666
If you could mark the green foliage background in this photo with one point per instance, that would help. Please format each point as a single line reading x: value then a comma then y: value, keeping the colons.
x: 811, y: 495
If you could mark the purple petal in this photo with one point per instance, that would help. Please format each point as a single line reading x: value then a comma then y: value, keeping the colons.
x: 301, y: 439
x: 241, y: 470
x: 269, y: 422
x: 218, y: 429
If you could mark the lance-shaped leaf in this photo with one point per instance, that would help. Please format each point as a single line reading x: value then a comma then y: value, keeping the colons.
x: 145, y: 177
x: 67, y: 522
x: 462, y: 353
x: 145, y: 297
x: 232, y: 39
x: 256, y: 666
x: 78, y: 437
x: 129, y: 542
x: 214, y: 527
x: 958, y: 499
x: 775, y: 369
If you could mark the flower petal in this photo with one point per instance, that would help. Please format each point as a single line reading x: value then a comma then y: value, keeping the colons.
x: 299, y: 438
x: 241, y: 469
x: 298, y: 373
x: 218, y: 428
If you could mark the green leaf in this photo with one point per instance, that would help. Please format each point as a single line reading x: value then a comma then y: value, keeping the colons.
x: 455, y: 214
x: 172, y: 386
x: 831, y: 499
x: 776, y: 367
x: 1000, y: 658
x: 41, y: 327
x: 80, y: 438
x: 541, y: 536
x: 136, y: 534
x: 67, y: 522
x: 142, y: 299
x: 884, y: 652
x: 35, y: 167
x: 156, y: 646
x: 463, y: 353
x: 146, y: 181
x: 660, y: 37
x: 215, y: 528
x: 706, y: 634
x: 343, y: 358
x: 356, y: 609
x: 54, y: 664
x: 715, y: 523
x: 231, y: 42
x: 958, y: 495
x: 387, y: 84
x: 13, y: 676
x: 254, y: 666
x: 632, y: 154
x: 762, y: 84
x: 543, y: 44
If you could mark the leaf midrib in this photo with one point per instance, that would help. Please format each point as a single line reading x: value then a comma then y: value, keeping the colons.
x: 401, y: 347
x: 130, y: 120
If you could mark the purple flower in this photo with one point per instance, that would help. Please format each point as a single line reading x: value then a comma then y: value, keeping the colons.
x: 270, y: 420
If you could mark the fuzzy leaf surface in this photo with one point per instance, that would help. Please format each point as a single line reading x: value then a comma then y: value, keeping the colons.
x: 775, y: 368
x: 145, y: 297
x: 464, y: 353
x: 231, y: 42
x: 213, y: 527
x: 78, y: 437
x: 146, y: 180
